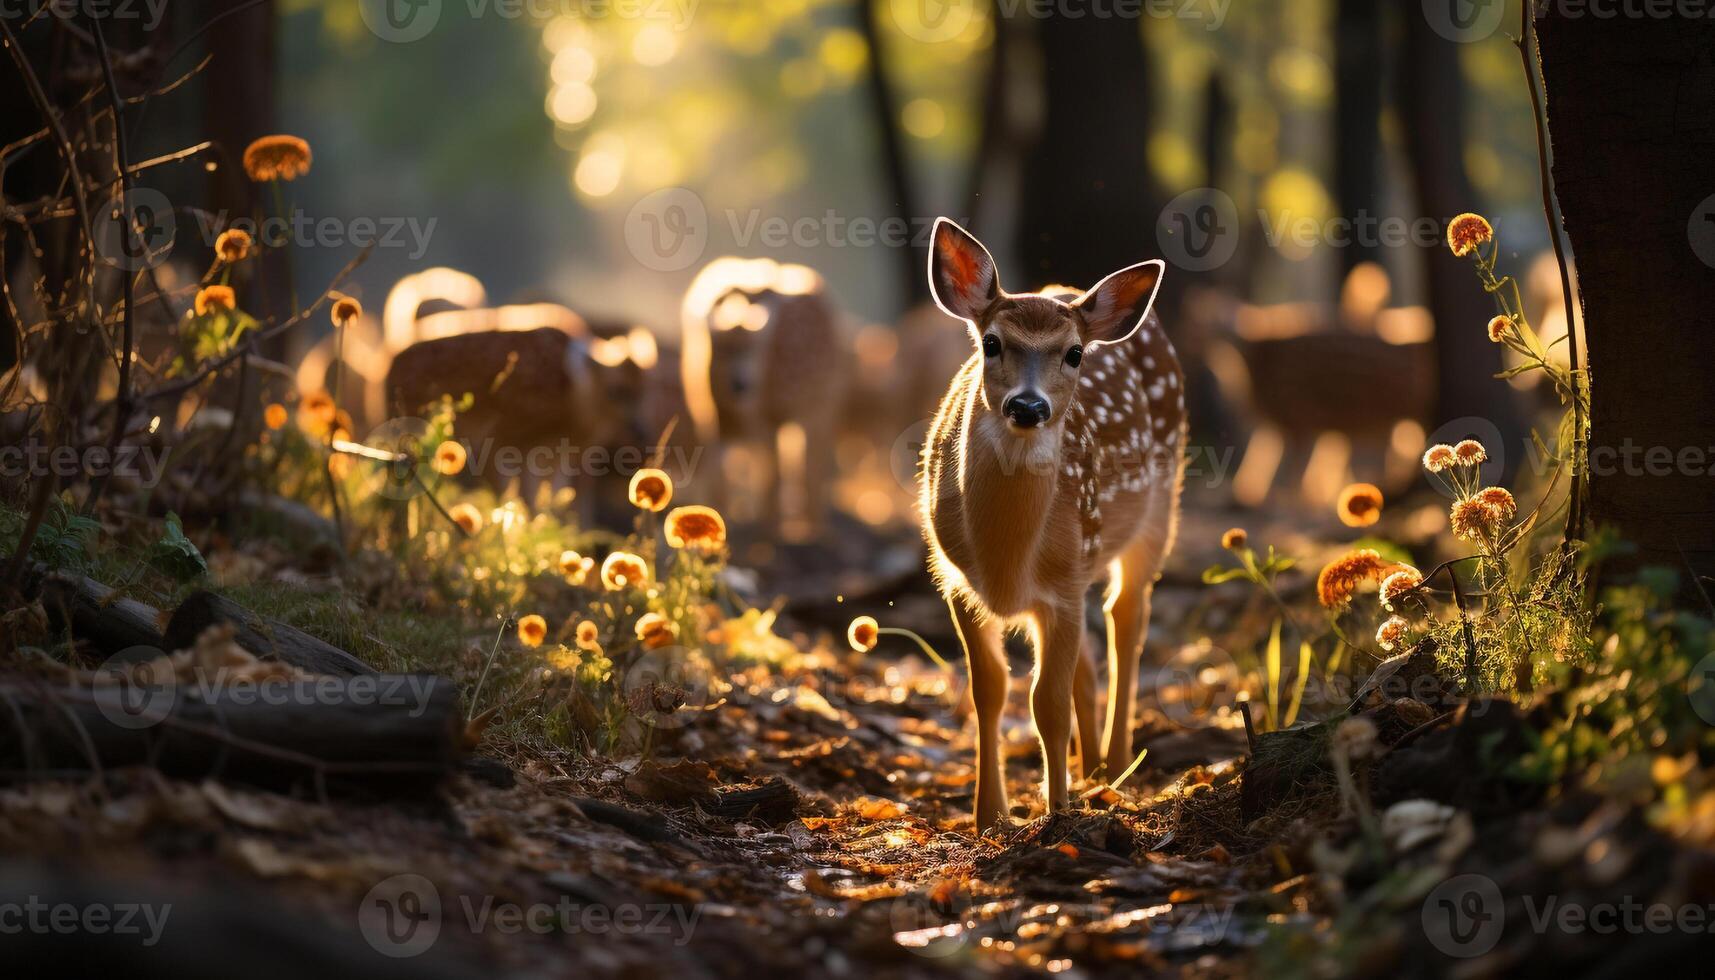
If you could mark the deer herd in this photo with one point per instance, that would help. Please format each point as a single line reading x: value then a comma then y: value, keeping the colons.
x: 1054, y: 460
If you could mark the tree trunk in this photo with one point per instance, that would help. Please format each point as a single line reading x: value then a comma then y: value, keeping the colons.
x: 238, y: 107
x: 1357, y: 112
x: 1631, y: 118
x: 1431, y: 101
x: 1089, y: 202
x: 913, y: 284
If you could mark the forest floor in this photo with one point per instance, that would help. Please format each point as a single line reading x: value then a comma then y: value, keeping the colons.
x: 818, y: 825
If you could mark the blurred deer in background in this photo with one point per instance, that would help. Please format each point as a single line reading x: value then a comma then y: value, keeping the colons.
x: 545, y: 387
x: 1057, y: 453
x: 763, y: 360
x: 1277, y: 364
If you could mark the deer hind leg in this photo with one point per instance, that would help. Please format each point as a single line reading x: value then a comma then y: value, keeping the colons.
x: 1059, y: 639
x: 1084, y: 706
x: 1132, y: 580
x: 985, y: 659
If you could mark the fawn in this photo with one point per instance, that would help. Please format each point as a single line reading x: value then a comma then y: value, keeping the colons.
x: 1057, y: 452
x: 762, y: 351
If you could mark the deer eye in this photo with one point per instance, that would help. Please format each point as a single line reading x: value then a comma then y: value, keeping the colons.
x: 1074, y: 356
x: 991, y: 345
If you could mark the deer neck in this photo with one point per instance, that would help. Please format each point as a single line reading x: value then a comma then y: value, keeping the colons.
x: 1009, y: 484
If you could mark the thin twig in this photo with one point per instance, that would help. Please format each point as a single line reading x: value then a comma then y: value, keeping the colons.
x: 1526, y: 43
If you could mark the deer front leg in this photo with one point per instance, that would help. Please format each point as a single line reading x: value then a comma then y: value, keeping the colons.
x: 985, y: 659
x: 1059, y: 641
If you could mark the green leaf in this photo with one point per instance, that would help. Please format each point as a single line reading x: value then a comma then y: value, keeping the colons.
x: 1217, y: 574
x: 1271, y: 660
x: 176, y: 555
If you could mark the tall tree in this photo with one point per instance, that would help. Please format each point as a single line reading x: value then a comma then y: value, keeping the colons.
x: 884, y: 107
x: 1089, y: 199
x: 1631, y: 117
x: 1357, y: 112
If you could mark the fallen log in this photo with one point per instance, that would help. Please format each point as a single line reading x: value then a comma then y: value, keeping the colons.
x: 379, y: 731
x: 91, y: 613
x: 263, y: 637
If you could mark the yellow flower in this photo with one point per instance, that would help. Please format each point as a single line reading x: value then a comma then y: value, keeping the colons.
x: 1500, y: 499
x: 575, y: 567
x: 1360, y: 505
x: 1499, y: 327
x: 622, y: 569
x: 863, y: 633
x: 651, y: 489
x: 345, y: 309
x: 696, y: 527
x: 1470, y: 453
x: 232, y: 245
x: 316, y: 413
x: 277, y: 158
x: 1235, y: 539
x: 275, y: 416
x: 449, y: 458
x: 212, y: 298
x: 1439, y: 457
x: 1391, y: 632
x: 588, y: 636
x: 1342, y: 576
x: 1398, y: 584
x: 656, y: 630
x: 532, y: 630
x: 1466, y: 232
x: 467, y: 517
x: 1473, y: 520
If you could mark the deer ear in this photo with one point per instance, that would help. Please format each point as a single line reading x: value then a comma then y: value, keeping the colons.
x: 1114, y: 308
x: 961, y: 272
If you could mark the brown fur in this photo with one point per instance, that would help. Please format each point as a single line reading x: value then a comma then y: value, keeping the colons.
x: 1020, y: 522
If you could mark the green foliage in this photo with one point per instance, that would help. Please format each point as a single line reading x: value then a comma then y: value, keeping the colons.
x: 64, y: 540
x: 1639, y: 694
x: 175, y: 555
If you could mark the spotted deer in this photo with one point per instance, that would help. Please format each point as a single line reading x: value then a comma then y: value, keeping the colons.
x: 1056, y: 454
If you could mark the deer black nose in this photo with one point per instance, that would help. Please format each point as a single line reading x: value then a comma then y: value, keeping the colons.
x: 1026, y: 410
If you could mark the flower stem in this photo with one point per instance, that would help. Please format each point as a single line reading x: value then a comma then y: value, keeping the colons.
x: 922, y: 644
